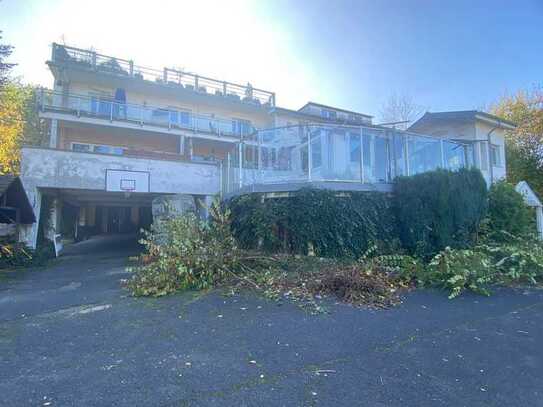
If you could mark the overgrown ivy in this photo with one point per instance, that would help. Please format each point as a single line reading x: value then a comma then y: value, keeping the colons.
x: 329, y: 223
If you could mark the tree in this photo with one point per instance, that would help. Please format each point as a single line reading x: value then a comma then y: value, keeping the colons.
x: 524, y: 145
x: 5, y: 67
x: 19, y: 123
x: 400, y: 108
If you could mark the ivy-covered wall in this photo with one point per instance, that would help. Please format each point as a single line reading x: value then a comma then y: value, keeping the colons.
x: 333, y: 224
x: 426, y: 213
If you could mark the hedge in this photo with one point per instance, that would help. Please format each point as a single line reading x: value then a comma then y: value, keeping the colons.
x: 438, y: 209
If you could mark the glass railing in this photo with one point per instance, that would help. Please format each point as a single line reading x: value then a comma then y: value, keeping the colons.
x: 327, y: 153
x: 98, y: 107
x: 89, y: 59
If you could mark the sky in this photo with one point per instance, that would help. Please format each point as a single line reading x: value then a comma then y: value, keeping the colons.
x: 445, y: 55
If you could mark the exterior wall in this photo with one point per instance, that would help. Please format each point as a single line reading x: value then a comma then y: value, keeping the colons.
x: 49, y: 168
x: 497, y: 138
x: 46, y: 168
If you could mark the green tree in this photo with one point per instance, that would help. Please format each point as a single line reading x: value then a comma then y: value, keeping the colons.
x: 5, y: 67
x: 524, y: 150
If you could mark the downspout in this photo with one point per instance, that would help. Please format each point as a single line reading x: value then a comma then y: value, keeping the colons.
x: 489, y: 156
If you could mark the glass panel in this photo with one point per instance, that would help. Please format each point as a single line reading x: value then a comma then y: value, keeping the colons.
x: 399, y: 154
x: 424, y: 154
x: 375, y: 151
x: 455, y: 157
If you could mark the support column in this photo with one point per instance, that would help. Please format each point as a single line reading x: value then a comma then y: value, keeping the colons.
x: 539, y: 216
x: 28, y: 234
x: 53, y: 138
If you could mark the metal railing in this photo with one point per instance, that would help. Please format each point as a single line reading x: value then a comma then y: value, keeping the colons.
x: 335, y: 153
x: 108, y: 109
x: 89, y: 59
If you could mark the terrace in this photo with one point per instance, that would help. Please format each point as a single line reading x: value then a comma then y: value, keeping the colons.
x: 335, y: 157
x: 82, y: 106
x: 90, y: 60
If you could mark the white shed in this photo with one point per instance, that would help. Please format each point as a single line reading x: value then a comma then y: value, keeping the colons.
x: 533, y: 201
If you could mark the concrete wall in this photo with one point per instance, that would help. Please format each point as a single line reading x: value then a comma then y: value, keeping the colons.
x: 46, y: 168
x: 49, y: 168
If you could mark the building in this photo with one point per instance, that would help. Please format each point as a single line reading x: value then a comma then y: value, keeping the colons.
x: 122, y: 136
x: 484, y: 131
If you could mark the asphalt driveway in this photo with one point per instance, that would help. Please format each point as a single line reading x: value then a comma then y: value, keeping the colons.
x: 70, y: 336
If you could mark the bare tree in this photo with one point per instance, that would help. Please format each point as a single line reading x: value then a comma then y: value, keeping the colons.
x: 400, y: 109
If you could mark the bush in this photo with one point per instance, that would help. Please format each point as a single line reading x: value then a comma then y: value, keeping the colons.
x: 184, y: 252
x: 16, y: 255
x: 439, y: 209
x: 331, y: 224
x: 508, y: 213
x: 457, y: 270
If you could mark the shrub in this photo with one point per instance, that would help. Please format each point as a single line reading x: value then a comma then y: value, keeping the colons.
x: 185, y: 252
x: 508, y: 213
x: 439, y: 209
x: 15, y: 255
x: 457, y: 270
x: 332, y: 224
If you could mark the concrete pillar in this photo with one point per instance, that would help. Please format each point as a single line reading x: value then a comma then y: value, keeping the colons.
x: 53, y: 139
x: 28, y: 234
x: 205, y: 203
x: 55, y: 219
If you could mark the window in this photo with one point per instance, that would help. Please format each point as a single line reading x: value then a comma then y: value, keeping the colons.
x: 354, y: 147
x: 97, y: 148
x: 495, y: 155
x: 81, y: 147
x: 329, y: 114
x: 241, y: 127
x: 484, y: 156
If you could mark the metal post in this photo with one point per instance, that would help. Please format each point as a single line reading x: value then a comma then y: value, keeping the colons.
x: 309, y: 155
x: 442, y: 152
x: 407, y: 169
x: 131, y: 64
x: 141, y: 115
x: 228, y: 165
x: 394, y: 158
x: 165, y: 75
x: 224, y: 88
x: 361, y: 156
x: 111, y: 111
x: 78, y: 107
x: 93, y: 57
x: 221, y: 179
x: 240, y: 165
x: 196, y: 83
x: 259, y: 156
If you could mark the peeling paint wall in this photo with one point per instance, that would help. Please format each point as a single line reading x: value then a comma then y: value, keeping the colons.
x: 46, y: 168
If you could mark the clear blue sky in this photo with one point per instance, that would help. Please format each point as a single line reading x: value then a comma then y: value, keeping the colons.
x: 353, y: 54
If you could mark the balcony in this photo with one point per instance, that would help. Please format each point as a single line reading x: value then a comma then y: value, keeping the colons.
x: 50, y: 168
x: 158, y: 118
x: 90, y: 60
x: 335, y: 157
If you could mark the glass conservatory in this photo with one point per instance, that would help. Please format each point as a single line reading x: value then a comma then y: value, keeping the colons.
x: 355, y: 157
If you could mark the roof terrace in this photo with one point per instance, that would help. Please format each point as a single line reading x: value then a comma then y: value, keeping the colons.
x: 91, y: 60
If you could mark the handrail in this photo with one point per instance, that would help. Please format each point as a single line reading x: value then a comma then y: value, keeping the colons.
x: 105, y: 108
x: 170, y: 76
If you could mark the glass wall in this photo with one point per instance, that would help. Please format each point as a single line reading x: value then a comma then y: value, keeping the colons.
x: 324, y: 153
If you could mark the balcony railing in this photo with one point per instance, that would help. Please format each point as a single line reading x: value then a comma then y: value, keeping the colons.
x: 99, y: 107
x: 334, y: 153
x: 88, y: 59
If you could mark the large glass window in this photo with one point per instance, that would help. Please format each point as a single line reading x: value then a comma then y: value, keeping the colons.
x: 241, y: 127
x: 454, y: 155
x: 376, y: 162
x: 424, y: 154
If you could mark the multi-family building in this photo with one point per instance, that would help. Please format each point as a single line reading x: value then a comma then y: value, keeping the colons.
x: 122, y: 136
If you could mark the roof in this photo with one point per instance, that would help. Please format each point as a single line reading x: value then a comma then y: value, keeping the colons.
x: 333, y: 108
x: 463, y: 116
x: 12, y: 187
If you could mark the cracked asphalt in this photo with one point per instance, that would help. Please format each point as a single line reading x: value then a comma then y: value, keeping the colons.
x: 70, y: 336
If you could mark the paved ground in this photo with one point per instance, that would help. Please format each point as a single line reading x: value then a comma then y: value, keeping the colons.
x: 70, y: 336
